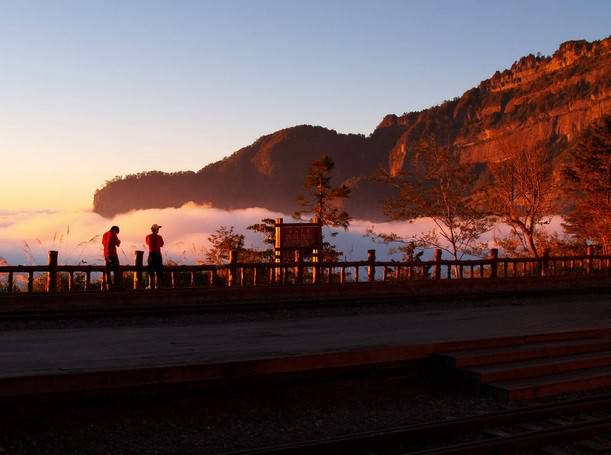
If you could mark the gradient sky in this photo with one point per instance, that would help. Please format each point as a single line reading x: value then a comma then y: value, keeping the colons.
x: 93, y: 89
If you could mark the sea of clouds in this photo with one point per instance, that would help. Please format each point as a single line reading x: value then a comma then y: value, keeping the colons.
x: 27, y: 236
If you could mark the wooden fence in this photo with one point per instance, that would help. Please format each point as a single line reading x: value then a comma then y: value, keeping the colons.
x: 54, y: 277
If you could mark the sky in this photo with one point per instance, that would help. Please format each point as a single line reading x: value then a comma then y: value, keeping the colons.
x: 92, y: 89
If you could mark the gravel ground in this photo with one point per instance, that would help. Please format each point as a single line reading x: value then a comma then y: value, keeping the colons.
x: 214, y: 421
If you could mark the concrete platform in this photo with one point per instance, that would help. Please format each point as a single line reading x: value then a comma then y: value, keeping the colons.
x: 61, y: 360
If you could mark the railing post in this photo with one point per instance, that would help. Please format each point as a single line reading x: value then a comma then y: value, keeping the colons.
x: 278, y: 275
x: 278, y: 256
x: 371, y: 268
x: 233, y: 270
x: 10, y: 283
x: 298, y: 268
x: 494, y: 262
x: 271, y: 274
x: 212, y: 278
x: 589, y: 260
x: 437, y: 269
x: 139, y: 262
x: 316, y: 256
x: 52, y: 276
x: 545, y: 262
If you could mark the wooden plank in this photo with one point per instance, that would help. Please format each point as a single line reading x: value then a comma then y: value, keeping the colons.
x: 540, y: 367
x: 543, y: 386
x: 496, y: 356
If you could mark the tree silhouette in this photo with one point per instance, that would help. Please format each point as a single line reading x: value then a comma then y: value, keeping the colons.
x: 324, y: 200
x: 267, y: 228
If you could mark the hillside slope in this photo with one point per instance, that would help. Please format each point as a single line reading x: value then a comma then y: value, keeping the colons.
x: 542, y: 101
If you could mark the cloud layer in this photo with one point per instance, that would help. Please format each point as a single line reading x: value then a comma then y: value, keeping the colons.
x: 26, y: 237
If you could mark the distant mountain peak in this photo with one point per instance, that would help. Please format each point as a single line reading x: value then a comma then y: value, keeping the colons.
x: 542, y: 100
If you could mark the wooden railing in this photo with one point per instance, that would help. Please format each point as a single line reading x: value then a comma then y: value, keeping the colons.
x: 54, y: 277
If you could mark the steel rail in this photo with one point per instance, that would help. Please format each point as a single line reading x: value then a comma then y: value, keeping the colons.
x: 525, y: 440
x: 374, y: 440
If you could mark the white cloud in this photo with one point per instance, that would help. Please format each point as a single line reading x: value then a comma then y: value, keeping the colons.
x: 26, y: 237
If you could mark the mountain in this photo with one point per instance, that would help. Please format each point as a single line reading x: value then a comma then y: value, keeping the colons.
x: 540, y: 101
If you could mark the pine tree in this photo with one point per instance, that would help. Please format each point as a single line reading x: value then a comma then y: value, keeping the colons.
x: 267, y: 228
x: 323, y: 201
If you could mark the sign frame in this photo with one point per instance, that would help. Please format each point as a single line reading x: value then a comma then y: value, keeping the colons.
x: 303, y: 237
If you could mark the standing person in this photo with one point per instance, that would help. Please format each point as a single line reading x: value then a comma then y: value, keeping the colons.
x: 155, y: 261
x: 111, y: 241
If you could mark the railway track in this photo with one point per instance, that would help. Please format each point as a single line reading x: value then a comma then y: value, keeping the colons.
x: 534, y: 427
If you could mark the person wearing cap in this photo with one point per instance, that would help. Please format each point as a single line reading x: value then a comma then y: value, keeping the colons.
x: 155, y: 260
x: 111, y: 241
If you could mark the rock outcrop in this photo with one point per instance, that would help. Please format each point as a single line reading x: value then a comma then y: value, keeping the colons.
x: 540, y: 101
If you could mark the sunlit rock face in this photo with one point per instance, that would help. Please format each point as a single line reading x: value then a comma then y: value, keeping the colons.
x: 538, y: 102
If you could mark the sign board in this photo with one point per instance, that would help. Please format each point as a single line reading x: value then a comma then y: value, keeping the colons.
x: 298, y: 236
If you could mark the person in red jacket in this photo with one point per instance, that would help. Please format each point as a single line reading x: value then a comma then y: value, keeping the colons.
x: 111, y: 241
x: 155, y: 260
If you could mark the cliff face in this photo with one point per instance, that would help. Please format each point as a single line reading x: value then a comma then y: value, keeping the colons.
x: 539, y: 101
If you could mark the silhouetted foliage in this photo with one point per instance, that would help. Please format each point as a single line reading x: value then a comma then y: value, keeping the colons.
x: 268, y: 230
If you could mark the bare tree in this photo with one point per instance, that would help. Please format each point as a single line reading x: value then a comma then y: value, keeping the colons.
x: 522, y: 194
x: 439, y: 187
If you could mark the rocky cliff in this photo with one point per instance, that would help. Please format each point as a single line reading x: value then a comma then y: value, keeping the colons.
x: 539, y: 101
